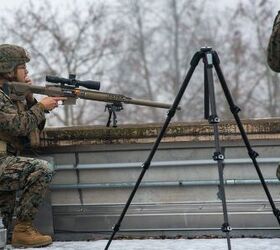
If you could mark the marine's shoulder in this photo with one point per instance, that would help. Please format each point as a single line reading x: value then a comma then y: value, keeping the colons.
x: 277, y: 18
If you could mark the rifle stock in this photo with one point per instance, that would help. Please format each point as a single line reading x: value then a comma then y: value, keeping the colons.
x: 20, y: 89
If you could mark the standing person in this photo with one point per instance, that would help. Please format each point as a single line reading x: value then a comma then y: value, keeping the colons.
x: 18, y: 119
x: 273, y: 55
x: 273, y: 51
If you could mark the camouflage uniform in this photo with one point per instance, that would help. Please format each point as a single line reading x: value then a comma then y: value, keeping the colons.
x: 278, y: 172
x: 273, y: 51
x: 273, y: 56
x: 29, y: 175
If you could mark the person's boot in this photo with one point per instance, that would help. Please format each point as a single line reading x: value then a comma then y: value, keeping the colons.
x: 25, y: 235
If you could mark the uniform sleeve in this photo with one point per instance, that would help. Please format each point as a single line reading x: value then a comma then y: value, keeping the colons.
x: 19, y: 123
x: 42, y: 124
x: 273, y: 51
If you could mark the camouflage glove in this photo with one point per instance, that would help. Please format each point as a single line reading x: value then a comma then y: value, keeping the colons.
x: 278, y: 172
x: 273, y: 50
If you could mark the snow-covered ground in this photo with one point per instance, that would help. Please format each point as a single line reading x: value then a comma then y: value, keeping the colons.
x: 179, y: 244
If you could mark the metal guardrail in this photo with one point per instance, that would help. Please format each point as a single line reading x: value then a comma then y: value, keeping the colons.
x: 164, y: 164
x: 162, y: 184
x: 179, y: 183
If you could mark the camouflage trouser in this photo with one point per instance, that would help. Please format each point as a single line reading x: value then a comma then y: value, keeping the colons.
x: 278, y: 172
x: 29, y: 175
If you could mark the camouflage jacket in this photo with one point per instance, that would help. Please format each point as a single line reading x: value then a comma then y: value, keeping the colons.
x: 273, y: 51
x: 19, y: 121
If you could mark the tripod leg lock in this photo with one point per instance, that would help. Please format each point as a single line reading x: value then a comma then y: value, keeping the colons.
x: 218, y: 156
x: 116, y: 227
x: 146, y: 165
x: 226, y: 228
x: 171, y: 112
x: 213, y: 119
x: 235, y: 109
x: 253, y: 154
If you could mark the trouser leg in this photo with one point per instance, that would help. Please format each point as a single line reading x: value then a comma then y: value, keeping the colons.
x: 32, y: 176
x: 33, y: 192
x: 7, y: 206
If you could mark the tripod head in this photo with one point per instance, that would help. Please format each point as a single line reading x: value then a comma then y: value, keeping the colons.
x: 205, y: 49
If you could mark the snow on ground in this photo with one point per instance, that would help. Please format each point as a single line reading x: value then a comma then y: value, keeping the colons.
x: 178, y: 244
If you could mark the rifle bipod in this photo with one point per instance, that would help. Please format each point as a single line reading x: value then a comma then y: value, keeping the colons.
x: 210, y: 60
x: 112, y: 109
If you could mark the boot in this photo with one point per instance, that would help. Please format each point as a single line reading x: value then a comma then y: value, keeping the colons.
x: 25, y: 235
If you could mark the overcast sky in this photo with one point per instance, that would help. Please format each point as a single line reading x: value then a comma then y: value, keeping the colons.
x: 221, y: 3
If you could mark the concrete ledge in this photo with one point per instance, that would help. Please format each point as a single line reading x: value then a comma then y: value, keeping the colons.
x: 256, y: 129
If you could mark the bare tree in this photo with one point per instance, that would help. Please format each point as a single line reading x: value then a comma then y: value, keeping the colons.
x: 76, y: 42
x: 262, y: 98
x: 143, y: 49
x: 134, y: 72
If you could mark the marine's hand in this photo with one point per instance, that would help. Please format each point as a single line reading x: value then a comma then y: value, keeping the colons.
x: 51, y: 102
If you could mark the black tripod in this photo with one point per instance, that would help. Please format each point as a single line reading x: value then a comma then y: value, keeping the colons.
x: 210, y: 60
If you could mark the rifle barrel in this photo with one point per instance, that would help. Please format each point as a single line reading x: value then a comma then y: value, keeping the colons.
x: 21, y: 89
x: 109, y: 97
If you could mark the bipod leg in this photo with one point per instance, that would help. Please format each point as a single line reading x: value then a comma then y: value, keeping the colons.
x: 108, y: 106
x: 252, y: 154
x: 214, y: 120
x: 195, y: 60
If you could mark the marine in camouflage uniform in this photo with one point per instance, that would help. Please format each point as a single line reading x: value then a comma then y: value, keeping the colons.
x: 273, y: 56
x: 273, y: 51
x: 18, y: 119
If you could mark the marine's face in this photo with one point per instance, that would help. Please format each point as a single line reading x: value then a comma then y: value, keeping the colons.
x: 22, y: 73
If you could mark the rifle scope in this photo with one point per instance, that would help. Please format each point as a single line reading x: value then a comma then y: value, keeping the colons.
x: 73, y: 82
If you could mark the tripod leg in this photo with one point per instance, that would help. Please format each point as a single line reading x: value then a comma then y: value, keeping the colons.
x: 195, y: 60
x: 218, y: 155
x: 115, y: 121
x: 206, y: 95
x: 253, y: 154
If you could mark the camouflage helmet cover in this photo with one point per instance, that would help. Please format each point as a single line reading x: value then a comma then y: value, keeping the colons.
x: 11, y: 56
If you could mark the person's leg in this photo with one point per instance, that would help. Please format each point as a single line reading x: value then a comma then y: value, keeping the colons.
x: 32, y: 176
x: 7, y: 206
x: 34, y: 183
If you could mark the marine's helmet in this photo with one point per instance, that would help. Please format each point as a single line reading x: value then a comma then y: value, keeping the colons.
x: 12, y: 56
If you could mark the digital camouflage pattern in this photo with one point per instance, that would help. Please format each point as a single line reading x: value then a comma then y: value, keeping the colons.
x: 19, y: 123
x: 11, y: 56
x: 29, y: 175
x: 278, y: 172
x: 32, y: 176
x: 273, y: 51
